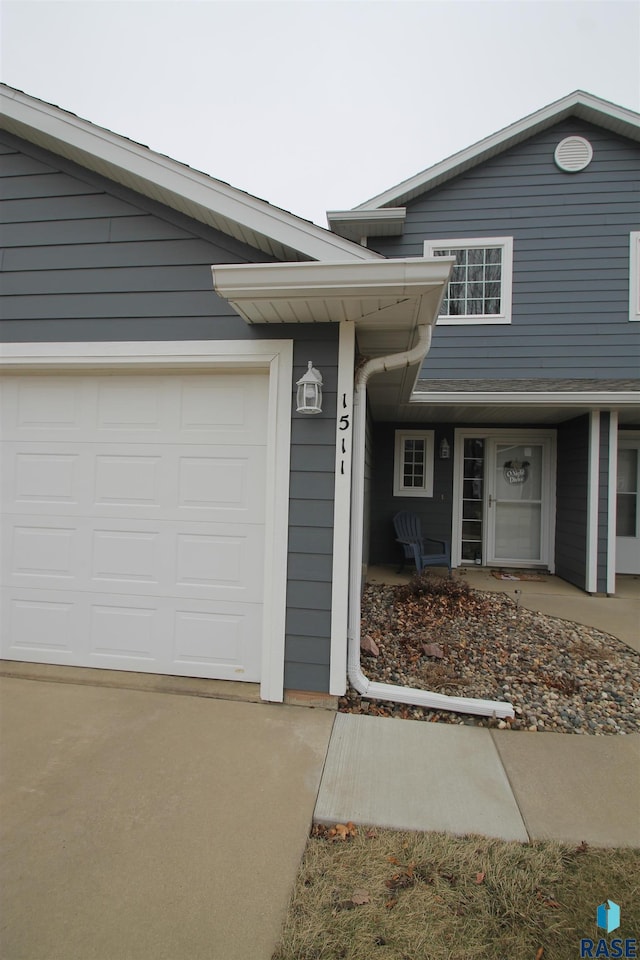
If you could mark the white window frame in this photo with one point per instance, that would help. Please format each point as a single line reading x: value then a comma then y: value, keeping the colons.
x: 460, y: 243
x: 399, y: 489
x: 634, y: 275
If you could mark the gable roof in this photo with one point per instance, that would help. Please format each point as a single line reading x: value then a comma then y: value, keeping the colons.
x: 199, y: 196
x: 600, y: 112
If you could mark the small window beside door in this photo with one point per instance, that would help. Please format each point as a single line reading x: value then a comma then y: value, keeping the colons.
x: 413, y: 463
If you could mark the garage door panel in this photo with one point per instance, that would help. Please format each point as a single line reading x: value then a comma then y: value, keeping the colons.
x: 133, y: 521
x: 208, y: 408
x: 38, y: 478
x: 193, y: 638
x: 171, y: 481
x: 216, y: 410
x: 42, y: 552
x: 146, y: 558
x: 40, y: 626
x: 38, y: 407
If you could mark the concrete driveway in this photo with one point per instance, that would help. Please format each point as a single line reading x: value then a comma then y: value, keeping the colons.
x: 147, y: 826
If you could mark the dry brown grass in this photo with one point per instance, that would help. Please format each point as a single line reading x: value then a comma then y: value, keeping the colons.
x: 426, y: 896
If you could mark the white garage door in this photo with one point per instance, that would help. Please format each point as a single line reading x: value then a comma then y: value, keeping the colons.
x: 133, y: 522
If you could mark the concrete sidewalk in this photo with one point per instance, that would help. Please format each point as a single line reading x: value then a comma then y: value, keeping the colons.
x: 513, y: 785
x: 411, y: 775
x: 146, y: 826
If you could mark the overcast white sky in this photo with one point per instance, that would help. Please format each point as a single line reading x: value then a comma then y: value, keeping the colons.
x: 316, y: 104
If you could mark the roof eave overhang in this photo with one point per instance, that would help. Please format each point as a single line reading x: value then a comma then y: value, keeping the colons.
x: 381, y: 294
x: 386, y: 300
x: 178, y: 186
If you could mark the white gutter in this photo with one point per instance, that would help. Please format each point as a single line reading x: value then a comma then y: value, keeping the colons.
x: 369, y: 688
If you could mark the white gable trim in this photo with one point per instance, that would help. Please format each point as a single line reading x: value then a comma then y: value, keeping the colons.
x: 584, y: 105
x: 165, y: 180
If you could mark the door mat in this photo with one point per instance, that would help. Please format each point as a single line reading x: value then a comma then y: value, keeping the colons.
x: 501, y: 575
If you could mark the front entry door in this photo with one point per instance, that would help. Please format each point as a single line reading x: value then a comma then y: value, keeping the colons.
x: 628, y: 504
x: 516, y: 503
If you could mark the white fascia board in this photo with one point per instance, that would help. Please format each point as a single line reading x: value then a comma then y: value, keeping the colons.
x: 385, y: 278
x: 84, y: 142
x: 563, y: 399
x: 585, y: 105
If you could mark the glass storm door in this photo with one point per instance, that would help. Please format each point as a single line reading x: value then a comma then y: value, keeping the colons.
x: 516, y: 510
x: 627, y: 506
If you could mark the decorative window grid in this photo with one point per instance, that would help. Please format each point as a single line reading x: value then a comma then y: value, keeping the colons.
x: 413, y: 463
x: 479, y: 289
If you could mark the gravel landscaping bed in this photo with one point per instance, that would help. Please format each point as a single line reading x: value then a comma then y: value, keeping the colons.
x: 440, y: 635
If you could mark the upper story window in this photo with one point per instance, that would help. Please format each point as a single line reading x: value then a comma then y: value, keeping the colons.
x: 634, y: 276
x: 413, y: 466
x: 479, y: 290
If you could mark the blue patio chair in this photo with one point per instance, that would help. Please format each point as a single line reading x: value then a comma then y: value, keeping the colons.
x: 422, y: 550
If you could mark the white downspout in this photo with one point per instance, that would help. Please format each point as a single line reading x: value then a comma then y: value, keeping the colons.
x: 370, y: 688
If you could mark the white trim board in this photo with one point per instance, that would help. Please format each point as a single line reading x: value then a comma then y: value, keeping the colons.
x: 624, y: 398
x: 276, y: 356
x: 634, y: 275
x: 593, y: 488
x: 611, y: 505
x: 342, y: 513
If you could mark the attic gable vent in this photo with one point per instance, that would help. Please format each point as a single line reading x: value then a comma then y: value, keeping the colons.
x: 573, y: 154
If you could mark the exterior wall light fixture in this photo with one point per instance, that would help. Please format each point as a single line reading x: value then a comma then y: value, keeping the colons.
x: 444, y: 450
x: 309, y: 396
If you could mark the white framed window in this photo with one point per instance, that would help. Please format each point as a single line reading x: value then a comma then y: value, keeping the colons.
x: 479, y: 289
x: 413, y: 464
x: 634, y: 275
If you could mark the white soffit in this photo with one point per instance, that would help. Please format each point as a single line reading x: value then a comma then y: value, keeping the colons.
x: 383, y: 294
x: 602, y: 113
x: 213, y: 202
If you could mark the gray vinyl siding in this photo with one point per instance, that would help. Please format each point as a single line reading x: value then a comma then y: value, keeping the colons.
x: 572, y: 501
x: 435, y: 512
x: 84, y: 259
x: 570, y: 263
x: 309, y: 572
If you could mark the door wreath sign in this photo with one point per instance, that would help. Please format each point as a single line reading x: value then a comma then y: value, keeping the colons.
x: 516, y: 471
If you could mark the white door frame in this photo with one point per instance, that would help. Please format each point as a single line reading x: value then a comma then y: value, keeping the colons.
x: 275, y: 356
x: 514, y: 435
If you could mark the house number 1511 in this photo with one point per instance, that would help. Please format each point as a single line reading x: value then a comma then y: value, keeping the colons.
x: 343, y: 424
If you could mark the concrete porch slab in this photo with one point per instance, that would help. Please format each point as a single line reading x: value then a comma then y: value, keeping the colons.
x: 410, y: 775
x: 573, y: 788
x: 150, y: 826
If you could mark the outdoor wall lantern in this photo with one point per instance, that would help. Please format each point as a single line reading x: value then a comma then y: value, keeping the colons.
x: 309, y: 397
x: 444, y: 450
